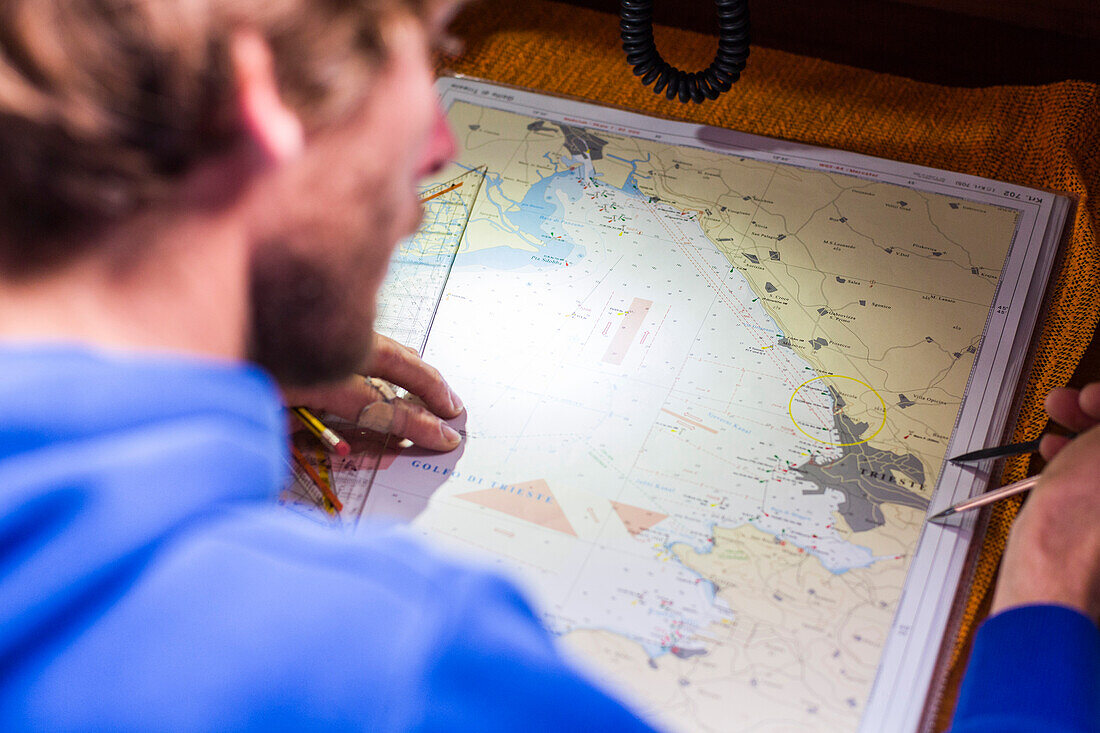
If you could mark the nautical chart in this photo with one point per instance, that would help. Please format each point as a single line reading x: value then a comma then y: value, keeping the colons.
x: 710, y: 384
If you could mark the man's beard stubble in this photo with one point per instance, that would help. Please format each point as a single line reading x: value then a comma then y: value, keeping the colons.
x: 312, y: 309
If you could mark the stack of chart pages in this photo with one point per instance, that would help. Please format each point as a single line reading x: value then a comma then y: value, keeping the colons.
x: 711, y: 380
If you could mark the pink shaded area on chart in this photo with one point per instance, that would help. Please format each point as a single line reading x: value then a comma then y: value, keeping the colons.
x: 636, y: 519
x: 531, y: 501
x: 628, y: 329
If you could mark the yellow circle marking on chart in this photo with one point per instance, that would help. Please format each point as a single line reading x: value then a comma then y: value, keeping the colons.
x: 790, y: 410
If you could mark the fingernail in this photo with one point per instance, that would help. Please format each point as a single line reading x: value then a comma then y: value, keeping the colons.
x: 456, y: 403
x: 449, y: 434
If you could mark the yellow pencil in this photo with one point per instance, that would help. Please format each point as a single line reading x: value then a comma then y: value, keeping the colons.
x: 332, y: 502
x: 325, y: 434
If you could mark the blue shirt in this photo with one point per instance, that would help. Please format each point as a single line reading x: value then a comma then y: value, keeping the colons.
x: 148, y: 582
x: 1033, y: 668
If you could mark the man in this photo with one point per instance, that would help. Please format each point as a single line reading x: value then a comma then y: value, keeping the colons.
x: 186, y: 187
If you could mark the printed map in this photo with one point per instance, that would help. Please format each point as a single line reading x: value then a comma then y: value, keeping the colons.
x: 708, y: 399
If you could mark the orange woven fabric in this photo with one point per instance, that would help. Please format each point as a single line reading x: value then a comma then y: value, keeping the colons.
x: 1045, y: 137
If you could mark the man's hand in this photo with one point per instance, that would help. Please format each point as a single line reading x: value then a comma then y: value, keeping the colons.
x: 1053, y: 553
x: 419, y: 418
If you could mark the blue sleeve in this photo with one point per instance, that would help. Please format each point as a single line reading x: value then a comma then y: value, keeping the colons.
x: 1033, y: 668
x: 500, y: 671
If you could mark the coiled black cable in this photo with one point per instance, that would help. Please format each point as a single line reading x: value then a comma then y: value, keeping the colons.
x: 636, y: 26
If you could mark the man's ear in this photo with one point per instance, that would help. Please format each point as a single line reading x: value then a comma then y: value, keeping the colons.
x: 274, y: 127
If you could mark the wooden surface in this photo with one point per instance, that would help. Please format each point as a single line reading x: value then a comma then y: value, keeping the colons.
x: 952, y: 42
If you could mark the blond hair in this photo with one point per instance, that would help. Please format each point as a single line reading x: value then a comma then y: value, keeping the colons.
x: 105, y: 104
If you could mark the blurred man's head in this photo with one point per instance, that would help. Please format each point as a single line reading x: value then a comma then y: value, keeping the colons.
x: 305, y: 123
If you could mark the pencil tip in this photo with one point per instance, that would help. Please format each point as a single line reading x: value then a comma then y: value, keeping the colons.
x: 942, y: 515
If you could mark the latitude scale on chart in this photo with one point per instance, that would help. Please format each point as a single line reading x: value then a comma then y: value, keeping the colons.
x: 410, y: 295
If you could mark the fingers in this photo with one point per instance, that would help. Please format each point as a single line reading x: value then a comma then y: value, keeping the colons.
x: 359, y: 401
x: 344, y: 398
x: 1053, y: 553
x: 404, y: 367
x: 1076, y: 410
x: 410, y: 420
x: 1089, y: 401
x: 1081, y: 458
x: 1066, y: 407
x: 1052, y: 444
